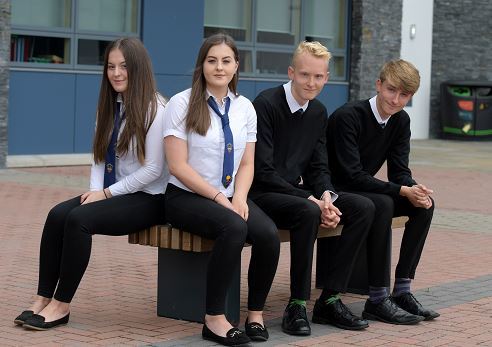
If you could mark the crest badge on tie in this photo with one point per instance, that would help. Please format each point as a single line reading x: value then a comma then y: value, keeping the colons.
x: 229, y: 147
x: 228, y: 179
x: 109, y: 168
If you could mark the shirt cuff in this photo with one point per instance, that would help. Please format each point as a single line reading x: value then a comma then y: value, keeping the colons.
x: 333, y: 195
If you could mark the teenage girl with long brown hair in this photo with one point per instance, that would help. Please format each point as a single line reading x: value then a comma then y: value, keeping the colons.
x: 210, y: 135
x: 128, y: 179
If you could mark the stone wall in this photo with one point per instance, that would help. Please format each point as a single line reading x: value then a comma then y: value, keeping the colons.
x: 4, y: 77
x: 461, y: 47
x: 376, y: 38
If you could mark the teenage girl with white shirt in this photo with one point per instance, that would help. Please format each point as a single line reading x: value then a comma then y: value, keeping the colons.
x: 128, y: 179
x: 202, y: 199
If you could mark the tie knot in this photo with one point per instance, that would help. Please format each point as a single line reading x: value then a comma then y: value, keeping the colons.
x: 299, y: 112
x: 383, y: 124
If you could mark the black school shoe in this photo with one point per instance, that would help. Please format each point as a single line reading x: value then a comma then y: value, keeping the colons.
x: 36, y: 322
x: 20, y: 319
x: 294, y: 321
x: 256, y: 331
x: 234, y: 337
x: 389, y: 312
x: 338, y: 315
x: 409, y: 303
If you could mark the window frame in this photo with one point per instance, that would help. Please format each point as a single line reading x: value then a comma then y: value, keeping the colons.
x: 73, y: 35
x: 254, y: 47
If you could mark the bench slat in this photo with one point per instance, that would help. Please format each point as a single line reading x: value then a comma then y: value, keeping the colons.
x: 165, y: 236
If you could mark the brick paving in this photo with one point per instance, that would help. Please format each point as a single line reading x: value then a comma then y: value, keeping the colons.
x: 116, y: 301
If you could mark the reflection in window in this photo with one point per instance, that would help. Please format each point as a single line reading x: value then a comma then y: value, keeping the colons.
x: 39, y: 49
x: 272, y: 63
x: 278, y: 21
x: 94, y: 15
x: 229, y: 16
x: 271, y: 34
x: 337, y: 68
x: 41, y: 13
x: 245, y: 61
x: 91, y: 52
x: 324, y: 21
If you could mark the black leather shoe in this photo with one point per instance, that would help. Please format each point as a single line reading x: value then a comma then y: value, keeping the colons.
x: 20, y: 319
x: 338, y: 315
x: 256, y: 331
x: 389, y: 312
x: 294, y: 321
x: 36, y: 322
x: 234, y: 337
x: 409, y: 303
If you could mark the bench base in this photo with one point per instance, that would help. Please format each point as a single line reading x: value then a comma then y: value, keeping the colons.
x: 181, y: 286
x: 359, y: 281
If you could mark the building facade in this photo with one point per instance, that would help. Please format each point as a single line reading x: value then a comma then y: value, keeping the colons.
x: 56, y: 47
x: 4, y: 77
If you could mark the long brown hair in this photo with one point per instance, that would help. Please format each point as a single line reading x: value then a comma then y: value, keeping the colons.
x: 198, y: 116
x: 140, y: 99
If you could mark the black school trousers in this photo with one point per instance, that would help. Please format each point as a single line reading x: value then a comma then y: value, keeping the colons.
x: 67, y: 236
x: 379, y: 239
x: 206, y: 218
x: 303, y: 217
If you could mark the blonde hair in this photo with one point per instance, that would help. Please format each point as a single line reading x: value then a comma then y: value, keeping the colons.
x: 402, y: 74
x: 314, y: 48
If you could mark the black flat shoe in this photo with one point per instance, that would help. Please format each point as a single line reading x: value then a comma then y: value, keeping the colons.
x: 409, y: 303
x: 234, y: 337
x: 21, y: 319
x: 256, y: 331
x: 36, y: 322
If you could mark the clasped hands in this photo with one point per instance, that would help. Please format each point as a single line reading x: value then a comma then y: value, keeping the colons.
x: 330, y: 214
x: 418, y: 195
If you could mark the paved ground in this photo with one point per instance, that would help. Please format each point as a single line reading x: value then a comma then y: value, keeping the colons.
x: 116, y: 301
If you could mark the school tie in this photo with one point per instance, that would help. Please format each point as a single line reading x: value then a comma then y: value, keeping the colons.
x: 299, y: 112
x: 382, y: 124
x: 228, y: 165
x: 110, y: 160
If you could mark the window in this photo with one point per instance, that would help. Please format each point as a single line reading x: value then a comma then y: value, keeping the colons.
x: 267, y: 39
x: 69, y: 33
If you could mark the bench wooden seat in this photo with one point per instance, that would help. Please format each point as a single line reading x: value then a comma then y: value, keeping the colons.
x: 165, y: 236
x: 182, y: 268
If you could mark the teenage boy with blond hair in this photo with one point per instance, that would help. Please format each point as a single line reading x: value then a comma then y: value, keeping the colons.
x: 362, y: 135
x: 292, y: 185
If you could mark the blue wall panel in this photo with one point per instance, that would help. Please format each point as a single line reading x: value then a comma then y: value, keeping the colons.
x: 86, y: 96
x: 41, y: 113
x: 247, y: 89
x: 172, y: 31
x: 170, y: 85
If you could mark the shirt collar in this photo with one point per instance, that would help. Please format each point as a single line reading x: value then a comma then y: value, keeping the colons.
x: 230, y: 94
x: 375, y: 111
x: 291, y: 101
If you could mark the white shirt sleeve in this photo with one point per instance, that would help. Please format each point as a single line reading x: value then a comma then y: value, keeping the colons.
x: 154, y: 159
x: 97, y: 177
x: 251, y: 126
x: 174, y: 116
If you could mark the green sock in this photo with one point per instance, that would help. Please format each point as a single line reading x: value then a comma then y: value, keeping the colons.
x: 332, y: 298
x: 297, y: 302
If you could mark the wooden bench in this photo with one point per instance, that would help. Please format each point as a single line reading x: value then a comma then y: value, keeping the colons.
x: 182, y: 267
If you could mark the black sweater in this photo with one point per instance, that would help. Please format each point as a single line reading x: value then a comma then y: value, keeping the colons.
x: 358, y: 147
x: 290, y: 147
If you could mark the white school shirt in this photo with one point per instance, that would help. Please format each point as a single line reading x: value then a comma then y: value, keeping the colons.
x: 294, y: 106
x: 131, y: 175
x: 206, y: 153
x: 291, y: 101
x: 375, y: 112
